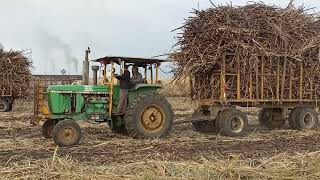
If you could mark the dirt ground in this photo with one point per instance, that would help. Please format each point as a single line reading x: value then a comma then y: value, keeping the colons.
x: 21, y: 140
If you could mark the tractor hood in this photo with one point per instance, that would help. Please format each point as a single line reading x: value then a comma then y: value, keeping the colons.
x: 76, y: 88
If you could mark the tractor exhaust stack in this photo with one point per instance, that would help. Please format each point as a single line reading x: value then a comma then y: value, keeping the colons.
x: 95, y: 74
x: 85, y: 71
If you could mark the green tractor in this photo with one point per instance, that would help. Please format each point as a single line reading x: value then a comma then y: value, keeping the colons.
x: 148, y: 114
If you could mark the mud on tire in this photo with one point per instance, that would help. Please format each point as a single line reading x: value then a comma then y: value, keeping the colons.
x: 149, y: 116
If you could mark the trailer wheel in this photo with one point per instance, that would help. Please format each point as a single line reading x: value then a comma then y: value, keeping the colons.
x: 233, y: 123
x: 203, y: 126
x: 4, y: 106
x: 306, y: 118
x: 47, y: 128
x: 67, y: 133
x: 271, y: 118
x: 149, y: 116
x: 292, y: 116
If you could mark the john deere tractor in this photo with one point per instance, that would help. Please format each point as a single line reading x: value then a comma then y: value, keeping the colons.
x: 147, y: 115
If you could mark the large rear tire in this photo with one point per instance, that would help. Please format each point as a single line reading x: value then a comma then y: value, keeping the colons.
x: 149, y: 116
x: 67, y: 133
x: 4, y: 106
x: 232, y: 123
x: 203, y: 126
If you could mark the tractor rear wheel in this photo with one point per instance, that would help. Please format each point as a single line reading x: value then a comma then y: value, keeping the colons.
x: 4, y: 106
x: 203, y: 126
x: 47, y: 128
x: 67, y: 133
x: 149, y: 116
x: 306, y: 118
x: 271, y: 118
x: 232, y: 123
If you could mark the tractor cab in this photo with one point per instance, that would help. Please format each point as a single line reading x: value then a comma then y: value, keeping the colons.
x: 147, y: 115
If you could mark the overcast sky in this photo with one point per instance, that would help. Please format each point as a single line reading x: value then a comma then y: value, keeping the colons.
x: 58, y: 31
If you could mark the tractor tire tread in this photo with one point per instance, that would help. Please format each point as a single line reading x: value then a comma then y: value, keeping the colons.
x: 59, y: 126
x: 130, y: 116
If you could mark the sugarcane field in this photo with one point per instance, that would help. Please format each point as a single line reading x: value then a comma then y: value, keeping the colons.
x: 160, y: 90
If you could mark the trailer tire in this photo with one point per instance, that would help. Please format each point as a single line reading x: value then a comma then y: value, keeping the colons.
x: 4, y: 106
x: 11, y: 106
x: 203, y: 126
x: 271, y: 118
x: 47, y: 128
x: 149, y: 116
x: 292, y: 116
x: 233, y: 123
x: 306, y: 119
x: 67, y: 133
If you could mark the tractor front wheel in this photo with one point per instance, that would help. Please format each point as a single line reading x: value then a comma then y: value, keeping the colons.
x: 149, y: 116
x: 47, y: 128
x: 67, y: 133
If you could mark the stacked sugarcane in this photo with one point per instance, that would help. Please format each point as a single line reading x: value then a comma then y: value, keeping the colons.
x: 15, y: 73
x: 256, y: 41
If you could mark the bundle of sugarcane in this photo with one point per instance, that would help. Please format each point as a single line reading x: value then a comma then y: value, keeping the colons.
x: 264, y: 45
x: 15, y: 73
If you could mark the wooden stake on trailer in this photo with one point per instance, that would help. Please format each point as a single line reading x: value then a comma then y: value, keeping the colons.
x: 301, y: 80
x: 311, y: 88
x: 238, y: 78
x: 290, y: 83
x: 257, y: 79
x: 283, y: 78
x: 250, y: 82
x: 223, y: 76
x: 262, y: 76
x: 278, y: 79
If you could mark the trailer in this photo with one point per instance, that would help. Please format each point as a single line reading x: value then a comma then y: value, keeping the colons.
x: 6, y: 94
x: 276, y: 84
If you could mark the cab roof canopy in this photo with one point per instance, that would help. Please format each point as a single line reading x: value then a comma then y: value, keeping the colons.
x: 130, y: 60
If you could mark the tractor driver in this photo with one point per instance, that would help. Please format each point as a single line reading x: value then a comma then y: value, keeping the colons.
x: 136, y: 75
x: 124, y: 86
